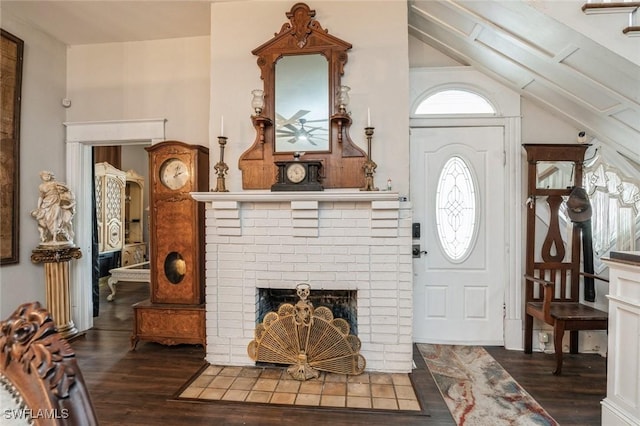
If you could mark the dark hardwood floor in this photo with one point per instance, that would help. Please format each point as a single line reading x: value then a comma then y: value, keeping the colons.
x: 136, y: 388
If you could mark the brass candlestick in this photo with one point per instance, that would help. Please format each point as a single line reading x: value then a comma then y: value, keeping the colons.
x: 221, y: 167
x: 369, y: 166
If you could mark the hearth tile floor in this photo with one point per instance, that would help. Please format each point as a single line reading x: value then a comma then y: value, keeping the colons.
x: 269, y: 385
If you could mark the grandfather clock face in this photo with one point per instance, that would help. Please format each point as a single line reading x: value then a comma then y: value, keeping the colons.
x: 177, y: 222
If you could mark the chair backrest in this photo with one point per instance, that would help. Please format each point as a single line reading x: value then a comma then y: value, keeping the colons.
x: 38, y: 368
x: 548, y: 257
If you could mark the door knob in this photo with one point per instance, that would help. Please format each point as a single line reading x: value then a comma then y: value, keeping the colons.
x: 416, y: 252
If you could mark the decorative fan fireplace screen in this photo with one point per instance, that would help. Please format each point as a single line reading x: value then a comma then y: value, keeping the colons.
x: 309, y: 339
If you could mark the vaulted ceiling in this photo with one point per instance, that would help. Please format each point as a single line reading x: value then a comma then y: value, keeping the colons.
x: 541, y: 58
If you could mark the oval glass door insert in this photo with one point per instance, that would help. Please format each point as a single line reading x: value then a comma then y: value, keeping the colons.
x: 456, y: 212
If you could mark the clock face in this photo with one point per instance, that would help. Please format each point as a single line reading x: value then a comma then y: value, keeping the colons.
x: 296, y: 173
x: 174, y: 173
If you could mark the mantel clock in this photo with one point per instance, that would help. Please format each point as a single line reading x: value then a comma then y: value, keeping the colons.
x: 298, y: 175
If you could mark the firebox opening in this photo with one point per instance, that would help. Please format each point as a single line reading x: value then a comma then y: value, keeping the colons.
x: 343, y: 303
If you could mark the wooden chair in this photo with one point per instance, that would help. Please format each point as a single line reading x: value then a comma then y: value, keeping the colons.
x: 552, y: 277
x: 562, y: 313
x: 39, y: 372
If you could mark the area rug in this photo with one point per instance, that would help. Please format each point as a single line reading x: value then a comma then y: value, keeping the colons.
x: 477, y: 390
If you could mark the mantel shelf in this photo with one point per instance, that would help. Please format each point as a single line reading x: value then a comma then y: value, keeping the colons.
x: 277, y: 197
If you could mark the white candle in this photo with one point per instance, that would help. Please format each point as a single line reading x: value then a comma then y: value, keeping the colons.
x: 368, y: 117
x: 222, y: 125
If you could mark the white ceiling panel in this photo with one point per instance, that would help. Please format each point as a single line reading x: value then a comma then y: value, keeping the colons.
x: 463, y: 51
x: 546, y: 68
x: 618, y: 135
x: 528, y: 24
x: 543, y: 59
x: 611, y: 73
x: 448, y: 17
x: 630, y: 118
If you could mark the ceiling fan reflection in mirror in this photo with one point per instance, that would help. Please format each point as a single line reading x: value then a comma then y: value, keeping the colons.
x: 296, y: 130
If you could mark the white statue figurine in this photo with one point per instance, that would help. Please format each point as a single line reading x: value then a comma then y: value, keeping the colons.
x: 56, y: 208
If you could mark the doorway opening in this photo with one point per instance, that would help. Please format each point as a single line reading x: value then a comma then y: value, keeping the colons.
x: 462, y: 103
x: 121, y: 202
x: 81, y: 137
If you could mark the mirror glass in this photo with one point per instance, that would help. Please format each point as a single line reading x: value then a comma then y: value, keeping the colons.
x: 554, y: 174
x: 302, y: 103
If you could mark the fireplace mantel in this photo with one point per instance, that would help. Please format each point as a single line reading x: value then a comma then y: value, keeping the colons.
x: 305, y: 207
x: 278, y: 197
x: 334, y: 240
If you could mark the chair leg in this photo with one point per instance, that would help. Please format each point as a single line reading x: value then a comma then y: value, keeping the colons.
x: 573, y: 341
x: 558, y: 334
x: 528, y: 334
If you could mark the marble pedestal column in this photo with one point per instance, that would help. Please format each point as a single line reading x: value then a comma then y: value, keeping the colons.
x: 56, y: 267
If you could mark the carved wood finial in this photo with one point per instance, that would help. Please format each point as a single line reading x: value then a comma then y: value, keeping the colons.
x: 301, y: 17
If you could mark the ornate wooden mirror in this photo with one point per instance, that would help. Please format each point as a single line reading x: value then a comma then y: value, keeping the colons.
x: 302, y: 103
x: 301, y: 67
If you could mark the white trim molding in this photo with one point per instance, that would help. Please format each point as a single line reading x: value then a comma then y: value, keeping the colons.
x: 276, y: 197
x: 110, y: 131
x: 80, y: 138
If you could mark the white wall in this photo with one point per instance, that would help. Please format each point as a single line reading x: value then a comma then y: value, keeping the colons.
x: 139, y: 80
x: 541, y: 126
x: 421, y: 55
x: 41, y: 148
x: 377, y: 72
x: 160, y: 79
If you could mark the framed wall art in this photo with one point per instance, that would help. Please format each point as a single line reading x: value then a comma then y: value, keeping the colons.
x: 11, y: 82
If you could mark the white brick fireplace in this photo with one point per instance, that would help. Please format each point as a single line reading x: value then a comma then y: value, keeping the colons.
x: 333, y: 240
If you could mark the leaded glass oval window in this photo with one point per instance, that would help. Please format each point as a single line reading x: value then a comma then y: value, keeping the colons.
x: 456, y: 210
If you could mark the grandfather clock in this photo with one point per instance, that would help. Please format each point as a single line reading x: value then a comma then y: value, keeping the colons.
x: 175, y: 311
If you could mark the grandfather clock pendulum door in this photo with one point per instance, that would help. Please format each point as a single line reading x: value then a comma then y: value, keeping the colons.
x: 175, y: 312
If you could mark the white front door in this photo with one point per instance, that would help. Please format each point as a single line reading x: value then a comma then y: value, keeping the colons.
x: 457, y: 190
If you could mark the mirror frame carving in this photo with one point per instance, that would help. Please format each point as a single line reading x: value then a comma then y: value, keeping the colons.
x: 343, y: 163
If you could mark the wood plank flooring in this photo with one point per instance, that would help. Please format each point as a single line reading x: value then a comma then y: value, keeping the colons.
x: 135, y: 388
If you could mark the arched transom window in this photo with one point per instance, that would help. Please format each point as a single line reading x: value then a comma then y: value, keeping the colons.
x: 455, y: 101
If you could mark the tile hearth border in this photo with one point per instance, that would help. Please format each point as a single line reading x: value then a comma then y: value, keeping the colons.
x: 370, y: 391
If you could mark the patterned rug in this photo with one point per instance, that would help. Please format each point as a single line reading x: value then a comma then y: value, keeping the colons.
x: 478, y: 391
